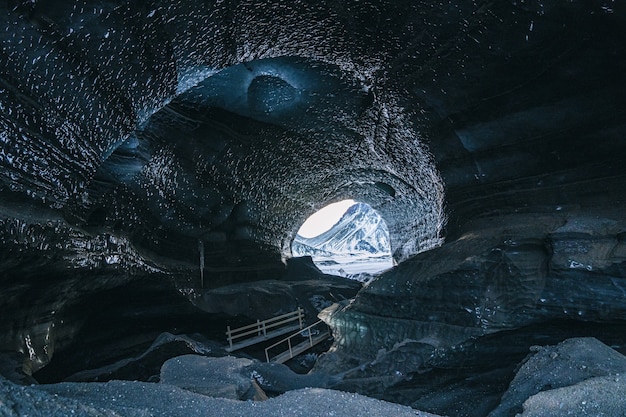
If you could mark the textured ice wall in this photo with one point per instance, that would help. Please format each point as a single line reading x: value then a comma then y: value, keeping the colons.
x: 198, y: 137
x: 77, y: 80
x: 249, y: 152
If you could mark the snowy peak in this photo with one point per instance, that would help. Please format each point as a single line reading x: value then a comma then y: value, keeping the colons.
x: 360, y: 231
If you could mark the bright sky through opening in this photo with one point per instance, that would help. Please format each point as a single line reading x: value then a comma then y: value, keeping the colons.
x: 324, y: 219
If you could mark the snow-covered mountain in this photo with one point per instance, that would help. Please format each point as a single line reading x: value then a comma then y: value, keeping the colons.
x: 360, y: 232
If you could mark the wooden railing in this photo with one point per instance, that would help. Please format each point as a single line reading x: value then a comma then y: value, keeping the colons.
x: 263, y: 330
x: 314, y: 334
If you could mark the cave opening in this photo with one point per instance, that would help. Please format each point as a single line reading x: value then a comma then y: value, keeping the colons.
x: 346, y: 238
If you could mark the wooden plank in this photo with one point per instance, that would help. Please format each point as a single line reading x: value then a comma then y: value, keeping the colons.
x: 262, y: 338
x: 300, y: 347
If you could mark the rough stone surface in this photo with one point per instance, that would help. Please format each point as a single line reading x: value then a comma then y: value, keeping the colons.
x: 214, y: 377
x: 140, y: 399
x: 236, y: 378
x: 601, y: 397
x: 570, y: 376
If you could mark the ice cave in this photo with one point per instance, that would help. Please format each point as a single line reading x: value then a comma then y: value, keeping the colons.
x: 157, y: 159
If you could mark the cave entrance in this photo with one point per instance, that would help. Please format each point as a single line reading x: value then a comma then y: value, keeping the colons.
x: 347, y: 238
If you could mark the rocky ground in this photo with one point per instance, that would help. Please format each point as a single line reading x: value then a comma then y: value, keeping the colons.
x: 141, y: 399
x: 579, y: 376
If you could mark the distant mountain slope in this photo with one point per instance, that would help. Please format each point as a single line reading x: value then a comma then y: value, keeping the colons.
x: 359, y: 232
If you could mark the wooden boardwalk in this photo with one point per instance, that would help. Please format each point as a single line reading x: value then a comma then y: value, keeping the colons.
x: 264, y: 330
x: 315, y: 334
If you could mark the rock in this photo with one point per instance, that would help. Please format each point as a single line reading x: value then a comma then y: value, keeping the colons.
x: 594, y: 397
x: 477, y: 285
x: 213, y: 377
x: 18, y: 401
x: 237, y: 378
x: 486, y: 282
x: 143, y: 399
x: 12, y: 368
x: 277, y: 378
x: 550, y: 377
x: 146, y: 366
x: 265, y: 299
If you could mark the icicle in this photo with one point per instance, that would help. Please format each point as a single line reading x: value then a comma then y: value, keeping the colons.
x: 201, y: 251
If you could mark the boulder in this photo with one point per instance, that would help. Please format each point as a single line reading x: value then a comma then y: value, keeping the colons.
x: 213, y: 377
x: 572, y: 375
